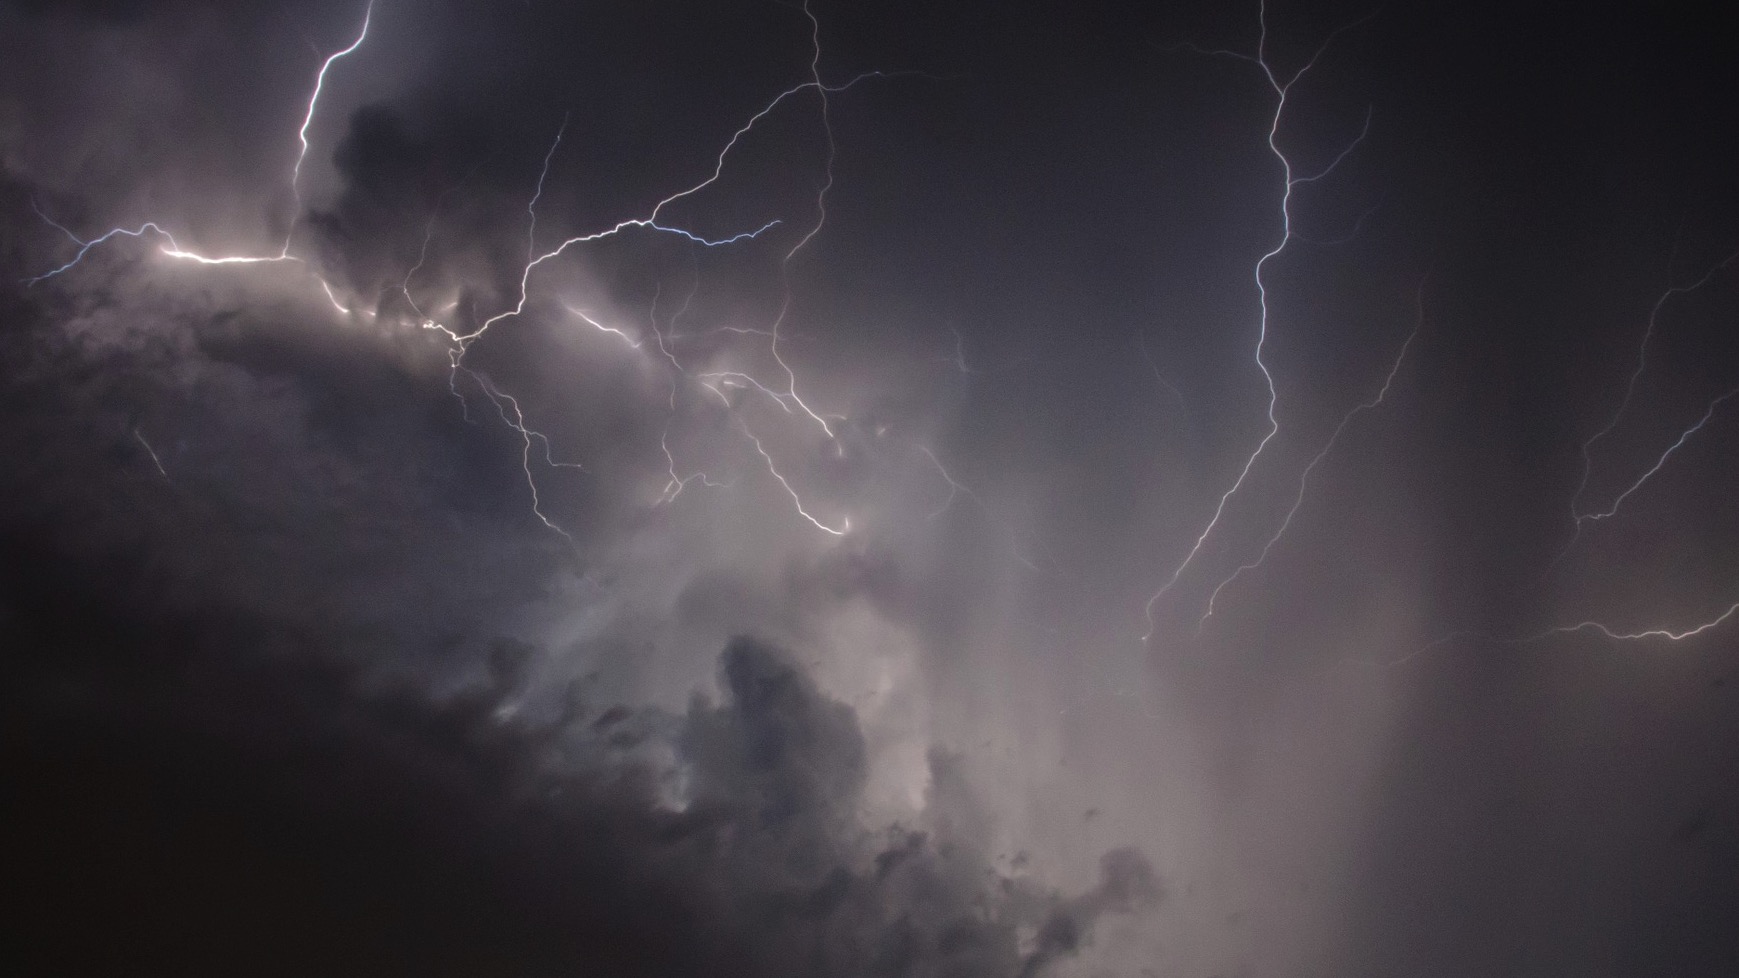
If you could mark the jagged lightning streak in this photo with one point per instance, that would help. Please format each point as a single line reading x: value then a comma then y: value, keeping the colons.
x: 612, y: 231
x: 678, y: 483
x: 531, y: 207
x: 1158, y: 376
x: 1281, y: 91
x: 1304, y: 478
x: 153, y: 453
x: 785, y: 399
x: 958, y: 360
x: 86, y: 246
x: 341, y: 307
x: 957, y: 488
x: 51, y: 222
x: 461, y: 345
x: 1660, y: 632
x: 462, y: 342
x: 789, y: 399
x: 823, y: 90
x: 174, y: 250
x: 517, y: 423
x: 653, y: 221
x: 422, y: 258
x: 429, y: 236
x: 820, y: 219
x: 841, y: 530
x: 826, y: 124
x: 1579, y: 518
x: 1675, y: 446
x: 308, y: 120
x: 581, y: 314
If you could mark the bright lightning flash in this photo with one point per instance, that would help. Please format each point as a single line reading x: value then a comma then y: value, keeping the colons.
x: 1282, y: 89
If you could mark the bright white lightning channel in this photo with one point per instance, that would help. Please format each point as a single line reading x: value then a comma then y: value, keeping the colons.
x: 1662, y: 632
x: 308, y: 120
x: 1281, y: 91
x: 507, y: 407
x: 158, y: 462
x: 788, y: 399
x: 174, y: 249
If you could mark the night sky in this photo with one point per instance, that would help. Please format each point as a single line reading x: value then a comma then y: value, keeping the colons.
x: 979, y: 489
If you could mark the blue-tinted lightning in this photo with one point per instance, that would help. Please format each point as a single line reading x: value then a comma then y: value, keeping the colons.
x: 1281, y: 90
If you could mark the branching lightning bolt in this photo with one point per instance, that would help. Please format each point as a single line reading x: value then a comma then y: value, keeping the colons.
x: 1304, y: 478
x: 786, y: 394
x: 1666, y: 633
x: 788, y: 399
x: 1578, y: 517
x: 1659, y: 462
x: 956, y: 488
x: 1281, y: 91
x: 820, y: 219
x: 1582, y: 515
x: 678, y: 483
x: 517, y: 423
x: 174, y: 250
x: 51, y: 222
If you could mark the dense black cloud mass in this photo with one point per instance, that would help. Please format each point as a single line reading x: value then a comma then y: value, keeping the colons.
x: 361, y: 608
x: 206, y: 808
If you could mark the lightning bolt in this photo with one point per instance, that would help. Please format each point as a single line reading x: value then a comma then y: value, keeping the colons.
x: 341, y: 307
x: 785, y: 393
x: 51, y: 222
x: 174, y: 250
x: 653, y: 218
x: 1665, y: 632
x: 531, y: 207
x: 678, y: 483
x: 956, y: 488
x: 158, y: 462
x: 1158, y: 376
x: 308, y: 120
x: 86, y: 246
x: 820, y: 219
x: 1578, y: 517
x: 1675, y: 446
x: 1304, y: 478
x: 517, y: 423
x: 1292, y: 181
x: 582, y: 315
x: 839, y: 531
x: 788, y: 399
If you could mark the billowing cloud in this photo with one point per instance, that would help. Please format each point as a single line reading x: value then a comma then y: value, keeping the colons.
x: 372, y: 519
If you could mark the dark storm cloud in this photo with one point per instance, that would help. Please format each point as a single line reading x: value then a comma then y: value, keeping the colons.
x: 290, y: 654
x: 225, y: 798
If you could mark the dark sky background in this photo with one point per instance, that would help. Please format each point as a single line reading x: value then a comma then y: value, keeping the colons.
x: 297, y: 673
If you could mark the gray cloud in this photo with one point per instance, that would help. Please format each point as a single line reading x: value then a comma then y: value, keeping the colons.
x: 261, y: 561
